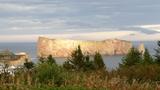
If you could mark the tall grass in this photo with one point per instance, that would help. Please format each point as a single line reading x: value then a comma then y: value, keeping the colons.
x: 47, y: 76
x: 91, y: 80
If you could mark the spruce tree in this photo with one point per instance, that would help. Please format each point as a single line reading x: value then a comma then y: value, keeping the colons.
x: 147, y: 58
x: 98, y: 61
x: 76, y: 61
x: 89, y: 65
x: 157, y: 55
x: 132, y: 58
x: 79, y: 61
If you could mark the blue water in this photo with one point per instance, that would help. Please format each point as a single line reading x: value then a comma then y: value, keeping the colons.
x: 111, y: 61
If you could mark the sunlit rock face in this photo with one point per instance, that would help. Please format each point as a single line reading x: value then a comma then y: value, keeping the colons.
x: 64, y: 48
x: 13, y: 59
x: 141, y: 48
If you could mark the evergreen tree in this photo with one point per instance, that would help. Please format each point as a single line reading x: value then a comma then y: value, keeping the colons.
x: 132, y: 58
x: 147, y: 58
x: 77, y: 60
x: 89, y: 65
x: 28, y: 65
x: 42, y: 59
x: 157, y: 55
x: 51, y: 60
x: 49, y: 74
x: 98, y: 61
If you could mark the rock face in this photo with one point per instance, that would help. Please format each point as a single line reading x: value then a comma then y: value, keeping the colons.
x: 63, y: 48
x: 12, y: 59
x: 141, y: 48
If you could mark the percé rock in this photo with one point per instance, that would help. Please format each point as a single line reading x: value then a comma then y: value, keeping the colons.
x: 64, y: 48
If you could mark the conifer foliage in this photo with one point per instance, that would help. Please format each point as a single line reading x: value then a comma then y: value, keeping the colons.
x: 157, y: 55
x: 132, y: 58
x: 80, y: 62
x: 28, y: 65
x: 76, y: 61
x: 98, y: 61
x: 147, y: 58
x: 51, y: 60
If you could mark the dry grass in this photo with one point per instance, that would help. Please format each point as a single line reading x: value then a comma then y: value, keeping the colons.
x: 115, y: 80
x: 97, y: 80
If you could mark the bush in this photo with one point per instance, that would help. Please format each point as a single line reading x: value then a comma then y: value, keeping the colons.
x: 49, y: 74
x: 48, y: 59
x: 141, y: 72
x: 28, y: 65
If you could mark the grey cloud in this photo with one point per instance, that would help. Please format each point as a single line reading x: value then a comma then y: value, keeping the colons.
x: 56, y: 16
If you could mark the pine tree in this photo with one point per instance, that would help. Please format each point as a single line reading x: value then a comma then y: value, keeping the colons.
x: 157, y: 55
x: 98, y: 61
x: 132, y: 58
x: 147, y: 58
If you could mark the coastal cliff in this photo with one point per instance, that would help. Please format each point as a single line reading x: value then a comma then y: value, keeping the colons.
x: 12, y: 59
x: 63, y: 48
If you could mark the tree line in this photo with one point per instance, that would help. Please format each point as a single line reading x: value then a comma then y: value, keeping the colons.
x: 135, y: 57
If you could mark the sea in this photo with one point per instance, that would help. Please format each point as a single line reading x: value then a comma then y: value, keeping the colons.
x: 111, y: 62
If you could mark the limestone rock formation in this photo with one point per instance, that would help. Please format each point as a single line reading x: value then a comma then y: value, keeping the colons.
x: 12, y: 59
x: 141, y: 48
x: 63, y: 48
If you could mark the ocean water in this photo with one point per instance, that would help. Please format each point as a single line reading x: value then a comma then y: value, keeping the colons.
x: 111, y: 62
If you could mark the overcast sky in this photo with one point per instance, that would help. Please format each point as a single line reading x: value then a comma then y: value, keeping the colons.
x: 25, y: 20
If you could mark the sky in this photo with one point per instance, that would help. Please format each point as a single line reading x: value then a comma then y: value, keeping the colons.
x: 26, y: 20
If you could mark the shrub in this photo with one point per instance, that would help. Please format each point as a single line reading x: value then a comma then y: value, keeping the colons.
x: 141, y: 72
x: 28, y: 65
x: 48, y: 59
x: 49, y: 74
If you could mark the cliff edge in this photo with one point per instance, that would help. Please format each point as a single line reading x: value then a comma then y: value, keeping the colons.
x: 64, y: 47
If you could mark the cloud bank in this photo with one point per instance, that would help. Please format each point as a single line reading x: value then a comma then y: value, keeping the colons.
x: 25, y: 20
x: 124, y: 35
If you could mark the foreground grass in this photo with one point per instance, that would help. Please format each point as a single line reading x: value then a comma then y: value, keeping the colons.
x: 46, y: 77
x: 114, y: 84
x: 25, y: 87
